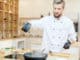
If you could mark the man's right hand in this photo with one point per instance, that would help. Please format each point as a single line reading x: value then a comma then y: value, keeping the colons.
x: 26, y: 27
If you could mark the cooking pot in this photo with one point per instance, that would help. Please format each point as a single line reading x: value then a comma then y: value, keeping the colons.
x: 35, y: 56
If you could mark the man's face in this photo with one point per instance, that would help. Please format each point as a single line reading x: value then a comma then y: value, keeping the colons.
x: 58, y: 9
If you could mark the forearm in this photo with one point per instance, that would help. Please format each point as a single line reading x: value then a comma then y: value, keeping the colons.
x: 32, y: 24
x: 36, y: 23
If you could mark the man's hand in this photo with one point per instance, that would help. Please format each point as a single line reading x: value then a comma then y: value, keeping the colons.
x: 67, y: 45
x: 26, y: 27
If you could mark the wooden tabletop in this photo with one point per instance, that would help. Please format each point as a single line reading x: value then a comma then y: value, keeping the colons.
x: 22, y: 51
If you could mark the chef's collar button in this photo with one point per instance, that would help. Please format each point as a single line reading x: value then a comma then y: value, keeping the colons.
x: 53, y: 21
x: 61, y: 22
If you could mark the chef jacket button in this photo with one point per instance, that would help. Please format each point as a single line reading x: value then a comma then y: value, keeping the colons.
x: 59, y: 37
x: 53, y: 28
x: 51, y: 44
x: 61, y: 22
x: 58, y: 45
x: 53, y: 36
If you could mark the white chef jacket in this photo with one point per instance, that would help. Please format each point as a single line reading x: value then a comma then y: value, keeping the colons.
x: 55, y: 32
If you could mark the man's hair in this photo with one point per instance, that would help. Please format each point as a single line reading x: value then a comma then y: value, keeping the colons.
x: 59, y: 2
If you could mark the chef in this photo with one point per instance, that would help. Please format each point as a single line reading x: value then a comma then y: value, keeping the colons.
x: 58, y: 30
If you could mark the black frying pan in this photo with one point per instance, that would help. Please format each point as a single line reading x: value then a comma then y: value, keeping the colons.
x: 35, y: 56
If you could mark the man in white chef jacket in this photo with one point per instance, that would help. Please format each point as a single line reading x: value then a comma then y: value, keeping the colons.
x: 57, y: 29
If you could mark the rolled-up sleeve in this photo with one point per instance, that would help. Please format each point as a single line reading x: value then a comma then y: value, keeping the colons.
x: 71, y: 32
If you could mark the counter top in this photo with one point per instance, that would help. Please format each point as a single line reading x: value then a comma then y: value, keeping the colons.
x: 71, y: 54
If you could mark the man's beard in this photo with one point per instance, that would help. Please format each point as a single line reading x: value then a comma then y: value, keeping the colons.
x: 58, y: 16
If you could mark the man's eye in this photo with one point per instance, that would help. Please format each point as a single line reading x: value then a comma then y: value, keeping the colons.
x: 58, y: 8
x: 55, y: 8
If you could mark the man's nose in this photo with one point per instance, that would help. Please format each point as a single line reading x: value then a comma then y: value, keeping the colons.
x: 56, y: 11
